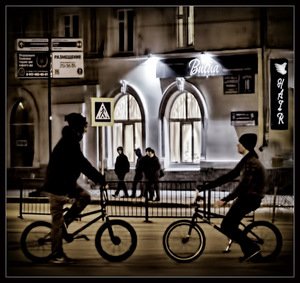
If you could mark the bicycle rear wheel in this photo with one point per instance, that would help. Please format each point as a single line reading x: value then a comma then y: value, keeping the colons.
x: 36, y: 241
x: 267, y: 236
x: 118, y: 246
x: 184, y: 241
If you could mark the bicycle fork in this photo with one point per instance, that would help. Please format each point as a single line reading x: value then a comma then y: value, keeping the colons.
x: 115, y: 239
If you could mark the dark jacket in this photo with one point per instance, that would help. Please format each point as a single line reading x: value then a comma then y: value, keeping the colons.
x: 151, y: 167
x: 122, y: 165
x: 251, y: 182
x: 66, y: 164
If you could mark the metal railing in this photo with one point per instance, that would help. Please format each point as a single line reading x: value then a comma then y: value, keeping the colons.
x: 176, y: 199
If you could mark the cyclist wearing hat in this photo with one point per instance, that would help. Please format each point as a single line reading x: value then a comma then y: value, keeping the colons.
x: 66, y: 164
x: 247, y: 195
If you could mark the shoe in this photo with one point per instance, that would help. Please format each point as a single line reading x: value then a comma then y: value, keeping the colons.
x: 156, y: 199
x: 252, y: 257
x: 125, y: 196
x: 115, y: 195
x: 64, y: 259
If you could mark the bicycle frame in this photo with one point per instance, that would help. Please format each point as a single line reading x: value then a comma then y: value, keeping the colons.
x: 103, y: 215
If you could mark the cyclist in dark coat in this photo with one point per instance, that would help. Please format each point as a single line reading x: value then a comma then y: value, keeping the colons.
x: 66, y: 164
x: 247, y: 195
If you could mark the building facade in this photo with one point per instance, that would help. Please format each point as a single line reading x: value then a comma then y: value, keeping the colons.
x: 185, y: 80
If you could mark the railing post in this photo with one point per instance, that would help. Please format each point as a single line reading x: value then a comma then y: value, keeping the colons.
x: 146, y: 204
x: 274, y: 204
x: 21, y: 199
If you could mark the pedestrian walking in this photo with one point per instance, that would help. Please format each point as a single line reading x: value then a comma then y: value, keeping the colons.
x: 138, y: 176
x: 122, y: 167
x: 151, y: 169
x: 66, y: 164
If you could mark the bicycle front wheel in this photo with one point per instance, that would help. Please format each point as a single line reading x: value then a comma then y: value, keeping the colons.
x: 267, y: 236
x: 36, y: 241
x: 116, y: 240
x: 184, y: 241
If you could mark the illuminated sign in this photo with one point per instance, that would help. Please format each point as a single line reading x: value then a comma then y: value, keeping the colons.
x: 279, y: 94
x: 205, y: 65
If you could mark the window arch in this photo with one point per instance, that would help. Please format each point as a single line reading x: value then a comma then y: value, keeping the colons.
x: 21, y: 134
x: 128, y: 125
x: 185, y: 129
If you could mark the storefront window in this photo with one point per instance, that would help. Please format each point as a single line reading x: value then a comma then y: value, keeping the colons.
x: 127, y: 130
x: 185, y: 129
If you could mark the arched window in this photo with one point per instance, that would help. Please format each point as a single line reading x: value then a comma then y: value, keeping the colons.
x: 128, y: 126
x: 21, y: 134
x: 185, y: 129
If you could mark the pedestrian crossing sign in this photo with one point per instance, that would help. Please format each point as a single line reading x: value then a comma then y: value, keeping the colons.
x: 102, y: 111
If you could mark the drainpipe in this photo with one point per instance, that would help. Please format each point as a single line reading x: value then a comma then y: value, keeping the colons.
x: 263, y: 34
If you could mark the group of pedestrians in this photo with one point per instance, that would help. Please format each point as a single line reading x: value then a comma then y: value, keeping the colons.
x: 147, y: 173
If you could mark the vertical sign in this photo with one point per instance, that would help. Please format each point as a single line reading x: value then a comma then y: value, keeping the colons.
x: 279, y: 94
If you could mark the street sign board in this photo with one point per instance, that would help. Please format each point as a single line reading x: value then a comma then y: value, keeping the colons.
x: 32, y: 65
x: 102, y: 111
x: 244, y: 118
x: 32, y: 44
x: 66, y: 44
x: 67, y: 65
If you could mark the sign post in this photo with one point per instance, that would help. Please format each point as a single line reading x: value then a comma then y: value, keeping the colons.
x: 33, y: 61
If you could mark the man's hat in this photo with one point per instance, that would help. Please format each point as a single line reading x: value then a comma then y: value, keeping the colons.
x: 76, y: 121
x: 248, y: 141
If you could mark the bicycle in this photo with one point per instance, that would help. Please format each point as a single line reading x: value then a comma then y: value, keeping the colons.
x: 115, y: 240
x: 184, y: 240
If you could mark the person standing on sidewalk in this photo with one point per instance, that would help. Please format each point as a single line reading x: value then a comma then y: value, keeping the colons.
x: 138, y: 173
x: 151, y: 169
x: 122, y: 167
x: 66, y: 164
x: 247, y: 195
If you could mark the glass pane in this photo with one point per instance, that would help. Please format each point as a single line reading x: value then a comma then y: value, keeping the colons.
x: 21, y: 113
x: 138, y: 136
x: 193, y: 107
x: 197, y: 142
x: 186, y: 143
x: 121, y: 109
x: 135, y: 112
x: 175, y: 142
x: 117, y: 140
x: 178, y: 108
x: 128, y: 143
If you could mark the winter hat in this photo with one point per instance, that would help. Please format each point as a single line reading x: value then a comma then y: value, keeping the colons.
x: 248, y: 141
x: 76, y: 121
